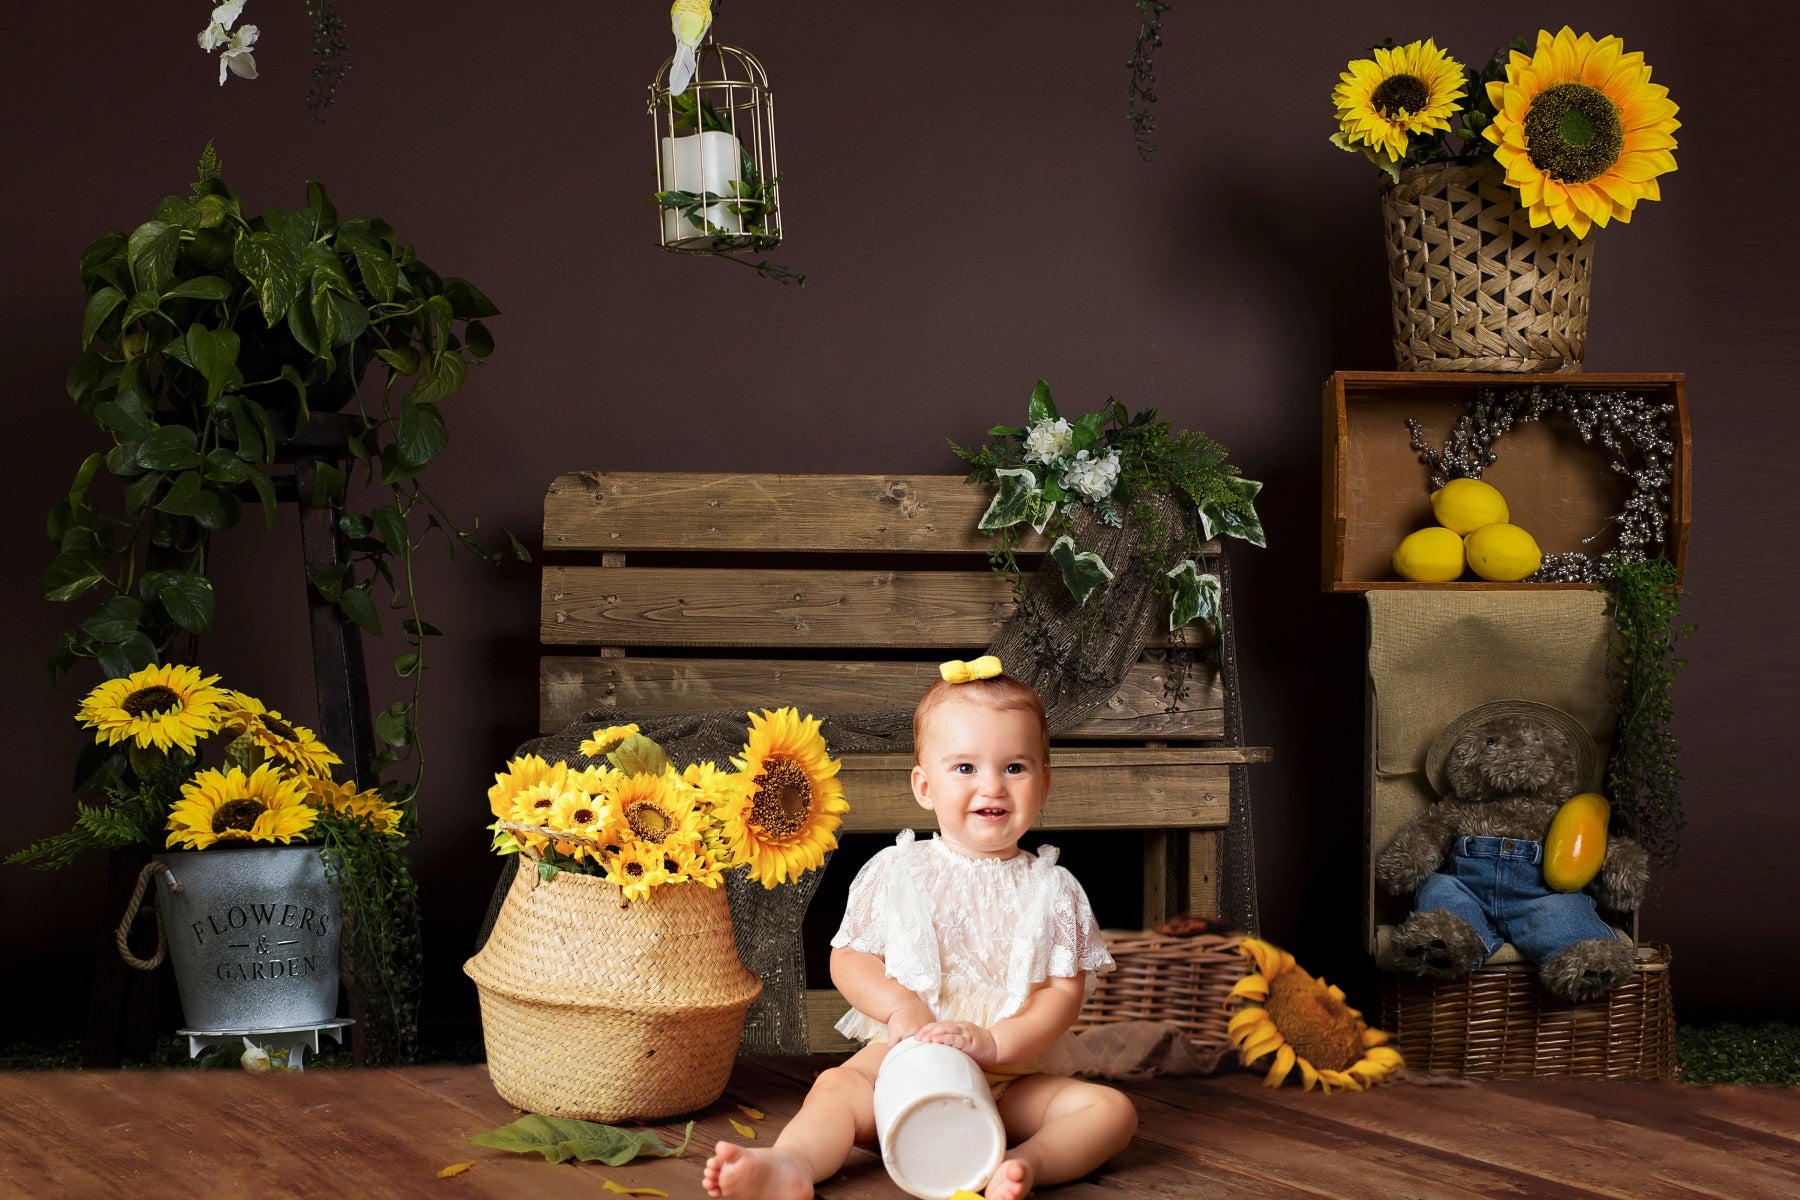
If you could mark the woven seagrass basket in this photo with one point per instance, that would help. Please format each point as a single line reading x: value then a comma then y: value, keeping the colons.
x: 1475, y: 287
x: 1499, y: 1021
x: 1183, y: 981
x: 603, y: 1011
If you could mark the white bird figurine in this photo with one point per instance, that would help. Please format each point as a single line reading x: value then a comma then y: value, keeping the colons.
x: 690, y: 19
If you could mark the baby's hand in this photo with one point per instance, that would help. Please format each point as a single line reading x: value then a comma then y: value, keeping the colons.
x: 973, y: 1040
x: 906, y: 1021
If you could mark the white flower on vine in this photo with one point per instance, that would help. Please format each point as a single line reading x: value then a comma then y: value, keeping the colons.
x: 236, y: 58
x: 1092, y: 478
x: 1049, y: 439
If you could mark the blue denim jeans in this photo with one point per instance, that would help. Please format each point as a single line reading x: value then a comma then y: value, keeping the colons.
x: 1497, y: 886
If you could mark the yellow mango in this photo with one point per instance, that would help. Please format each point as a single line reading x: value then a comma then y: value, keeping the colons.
x: 1576, y: 844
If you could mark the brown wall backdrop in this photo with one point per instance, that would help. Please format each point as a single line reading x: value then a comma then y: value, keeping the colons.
x: 961, y: 188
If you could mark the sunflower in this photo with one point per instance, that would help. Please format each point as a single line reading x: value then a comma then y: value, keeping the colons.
x: 296, y: 745
x: 1383, y: 101
x: 688, y: 857
x: 521, y: 774
x: 269, y: 805
x: 579, y: 813
x: 607, y: 739
x: 161, y: 706
x: 368, y: 807
x: 654, y: 807
x: 636, y: 868
x: 785, y: 817
x: 1305, y: 1023
x: 1581, y: 131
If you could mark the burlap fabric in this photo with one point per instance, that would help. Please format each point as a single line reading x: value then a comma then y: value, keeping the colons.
x: 1433, y: 655
x: 1074, y: 656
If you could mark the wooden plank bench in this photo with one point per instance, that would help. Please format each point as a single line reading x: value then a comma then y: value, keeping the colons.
x: 668, y: 593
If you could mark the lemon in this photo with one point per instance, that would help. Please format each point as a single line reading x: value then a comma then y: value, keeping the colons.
x: 1433, y: 555
x: 1465, y: 505
x: 1502, y: 553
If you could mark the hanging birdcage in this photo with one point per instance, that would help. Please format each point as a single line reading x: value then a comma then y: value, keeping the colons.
x: 718, y: 189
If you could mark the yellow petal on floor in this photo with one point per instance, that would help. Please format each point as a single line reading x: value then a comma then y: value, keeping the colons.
x: 742, y: 1129
x: 755, y: 1114
x: 622, y: 1190
x: 454, y: 1169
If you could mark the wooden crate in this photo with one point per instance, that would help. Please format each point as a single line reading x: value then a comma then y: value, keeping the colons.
x: 668, y: 593
x: 1559, y: 489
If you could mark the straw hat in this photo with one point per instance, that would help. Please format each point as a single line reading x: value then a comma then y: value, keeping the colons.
x: 1587, y: 755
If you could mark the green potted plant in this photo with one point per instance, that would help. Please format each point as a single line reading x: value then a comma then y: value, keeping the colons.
x: 212, y: 334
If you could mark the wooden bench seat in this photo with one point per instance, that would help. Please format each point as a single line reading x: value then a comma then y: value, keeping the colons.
x: 669, y: 593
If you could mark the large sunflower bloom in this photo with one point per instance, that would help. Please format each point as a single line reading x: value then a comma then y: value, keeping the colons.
x: 270, y: 732
x: 1306, y: 1024
x: 653, y: 808
x: 1581, y: 131
x: 1383, y: 101
x: 268, y: 805
x: 161, y: 706
x: 785, y: 818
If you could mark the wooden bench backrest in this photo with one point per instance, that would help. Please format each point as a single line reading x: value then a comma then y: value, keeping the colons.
x: 672, y: 593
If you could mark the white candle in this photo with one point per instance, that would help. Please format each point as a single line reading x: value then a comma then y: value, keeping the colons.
x: 703, y: 162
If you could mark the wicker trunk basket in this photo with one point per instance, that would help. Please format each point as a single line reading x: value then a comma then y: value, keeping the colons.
x: 603, y: 1011
x: 1475, y: 287
x: 1183, y: 981
x: 1500, y: 1021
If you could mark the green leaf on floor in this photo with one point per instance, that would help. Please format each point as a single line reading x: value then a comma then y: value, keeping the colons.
x: 559, y: 1139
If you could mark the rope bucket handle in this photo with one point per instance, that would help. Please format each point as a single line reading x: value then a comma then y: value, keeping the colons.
x: 132, y: 908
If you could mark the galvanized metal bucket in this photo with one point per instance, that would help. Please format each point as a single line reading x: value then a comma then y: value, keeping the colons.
x: 253, y: 934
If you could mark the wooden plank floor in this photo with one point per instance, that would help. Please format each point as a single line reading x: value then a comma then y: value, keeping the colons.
x: 380, y: 1133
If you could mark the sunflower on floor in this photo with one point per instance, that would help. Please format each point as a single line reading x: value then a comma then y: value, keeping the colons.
x: 640, y: 823
x: 1304, y: 1023
x: 155, y: 729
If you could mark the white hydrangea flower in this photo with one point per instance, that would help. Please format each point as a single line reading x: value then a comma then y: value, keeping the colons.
x: 1092, y: 478
x: 1049, y: 439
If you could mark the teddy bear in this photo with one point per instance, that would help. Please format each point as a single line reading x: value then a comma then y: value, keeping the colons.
x: 1475, y: 858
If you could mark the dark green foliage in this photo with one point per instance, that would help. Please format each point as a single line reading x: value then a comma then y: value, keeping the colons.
x: 199, y: 325
x: 381, y: 922
x: 1141, y: 93
x: 134, y: 816
x: 1643, y: 778
x: 333, y: 54
x: 1732, y: 1053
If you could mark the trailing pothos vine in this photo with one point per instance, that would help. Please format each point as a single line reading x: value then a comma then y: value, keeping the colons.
x: 1644, y: 601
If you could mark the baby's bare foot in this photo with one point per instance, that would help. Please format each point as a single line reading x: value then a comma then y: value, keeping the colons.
x: 1010, y: 1181
x: 744, y: 1174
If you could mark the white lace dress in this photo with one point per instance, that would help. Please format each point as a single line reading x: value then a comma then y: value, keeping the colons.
x: 971, y: 936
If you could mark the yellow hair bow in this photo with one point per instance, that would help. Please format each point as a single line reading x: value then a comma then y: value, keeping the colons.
x: 958, y: 671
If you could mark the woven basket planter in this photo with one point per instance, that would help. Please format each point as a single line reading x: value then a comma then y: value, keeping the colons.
x: 1183, y: 981
x: 1475, y: 287
x: 603, y: 1011
x: 1499, y: 1021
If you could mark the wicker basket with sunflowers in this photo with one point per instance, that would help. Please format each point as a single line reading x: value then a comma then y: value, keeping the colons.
x: 1487, y: 225
x: 610, y: 986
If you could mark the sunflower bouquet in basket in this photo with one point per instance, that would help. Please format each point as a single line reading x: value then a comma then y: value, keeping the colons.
x: 270, y: 781
x: 636, y: 821
x: 1575, y: 123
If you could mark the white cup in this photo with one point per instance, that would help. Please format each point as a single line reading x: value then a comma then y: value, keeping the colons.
x: 936, y: 1120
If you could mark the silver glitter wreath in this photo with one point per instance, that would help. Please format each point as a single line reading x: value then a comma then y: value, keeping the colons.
x: 1634, y: 428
